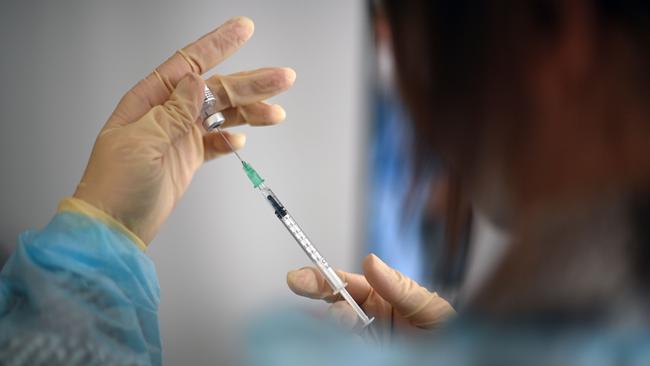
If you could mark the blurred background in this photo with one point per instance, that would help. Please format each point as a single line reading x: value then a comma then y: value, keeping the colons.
x: 222, y: 256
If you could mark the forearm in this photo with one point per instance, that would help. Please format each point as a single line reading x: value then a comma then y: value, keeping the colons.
x: 81, y: 280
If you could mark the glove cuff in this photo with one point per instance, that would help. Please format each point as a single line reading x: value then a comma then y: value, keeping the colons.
x: 72, y: 204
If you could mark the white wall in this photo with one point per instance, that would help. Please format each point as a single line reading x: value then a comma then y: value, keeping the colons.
x: 222, y: 255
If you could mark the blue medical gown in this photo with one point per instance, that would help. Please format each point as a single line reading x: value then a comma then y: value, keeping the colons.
x: 297, y: 339
x: 78, y: 292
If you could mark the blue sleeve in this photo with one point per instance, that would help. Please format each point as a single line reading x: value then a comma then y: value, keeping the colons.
x: 291, y: 338
x: 78, y: 292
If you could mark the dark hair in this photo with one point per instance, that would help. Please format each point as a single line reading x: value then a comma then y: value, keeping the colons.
x: 455, y: 58
x: 452, y: 56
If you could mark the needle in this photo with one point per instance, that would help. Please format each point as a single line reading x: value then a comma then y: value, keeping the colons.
x: 229, y: 145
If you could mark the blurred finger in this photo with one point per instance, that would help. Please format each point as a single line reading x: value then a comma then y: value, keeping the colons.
x: 249, y: 87
x: 256, y: 114
x: 309, y: 282
x: 197, y: 57
x: 215, y: 146
x: 421, y: 307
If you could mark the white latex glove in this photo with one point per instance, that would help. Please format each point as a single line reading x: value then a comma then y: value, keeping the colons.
x: 153, y: 143
x: 400, y: 306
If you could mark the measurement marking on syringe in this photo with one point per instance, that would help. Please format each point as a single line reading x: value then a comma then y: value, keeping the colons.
x: 335, y: 282
x: 338, y: 286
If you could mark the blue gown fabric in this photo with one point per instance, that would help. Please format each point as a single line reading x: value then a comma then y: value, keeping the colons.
x: 78, y: 292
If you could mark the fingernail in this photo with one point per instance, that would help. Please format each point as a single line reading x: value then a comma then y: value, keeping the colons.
x: 377, y: 261
x: 304, y: 280
x: 237, y: 140
x: 283, y: 113
x: 291, y: 74
x: 377, y: 268
x: 240, y: 19
x: 244, y: 26
x: 296, y: 274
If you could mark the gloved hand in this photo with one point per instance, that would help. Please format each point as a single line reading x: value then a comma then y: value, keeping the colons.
x: 146, y: 154
x: 400, y: 306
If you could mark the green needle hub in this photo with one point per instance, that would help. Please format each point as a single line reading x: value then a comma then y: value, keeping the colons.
x: 252, y: 175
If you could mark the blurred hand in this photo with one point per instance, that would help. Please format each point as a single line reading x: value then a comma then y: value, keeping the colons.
x: 146, y: 154
x: 398, y: 303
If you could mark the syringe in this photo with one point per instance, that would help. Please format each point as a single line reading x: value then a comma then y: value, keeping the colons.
x: 212, y: 120
x: 335, y: 282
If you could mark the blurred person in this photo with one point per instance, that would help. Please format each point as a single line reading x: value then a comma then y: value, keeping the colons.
x: 540, y: 108
x: 396, y: 202
x: 81, y: 291
x: 408, y: 223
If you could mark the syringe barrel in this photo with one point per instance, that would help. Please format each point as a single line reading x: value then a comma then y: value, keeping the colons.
x: 338, y: 286
x: 303, y: 241
x: 330, y: 275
